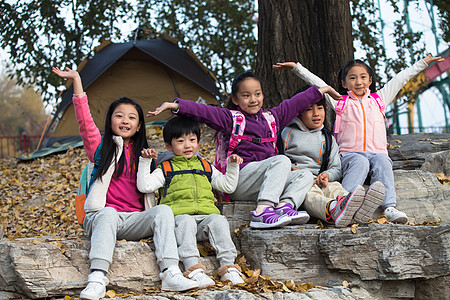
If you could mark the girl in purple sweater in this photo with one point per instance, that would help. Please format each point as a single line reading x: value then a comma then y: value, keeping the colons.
x: 264, y: 176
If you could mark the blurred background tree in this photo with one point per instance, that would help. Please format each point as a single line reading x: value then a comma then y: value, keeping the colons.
x: 22, y: 109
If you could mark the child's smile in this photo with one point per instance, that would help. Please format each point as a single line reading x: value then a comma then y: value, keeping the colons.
x: 125, y: 121
x: 357, y: 80
x: 185, y: 145
x: 249, y: 96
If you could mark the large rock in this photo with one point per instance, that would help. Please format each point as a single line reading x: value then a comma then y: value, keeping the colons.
x: 45, y: 267
x: 410, y: 151
x: 389, y: 256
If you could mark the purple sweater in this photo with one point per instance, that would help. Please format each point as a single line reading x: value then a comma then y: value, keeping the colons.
x: 220, y: 119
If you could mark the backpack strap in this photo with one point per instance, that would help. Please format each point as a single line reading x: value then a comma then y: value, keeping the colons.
x: 339, y: 108
x: 169, y: 173
x: 326, y: 153
x: 237, y: 132
x: 380, y: 104
x: 97, y: 158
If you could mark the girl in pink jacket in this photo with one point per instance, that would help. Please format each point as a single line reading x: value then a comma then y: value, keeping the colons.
x: 360, y: 124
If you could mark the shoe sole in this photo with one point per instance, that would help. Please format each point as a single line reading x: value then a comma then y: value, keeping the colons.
x: 373, y: 199
x: 261, y: 225
x: 92, y: 298
x: 179, y: 289
x: 401, y: 220
x: 299, y: 219
x: 353, y: 204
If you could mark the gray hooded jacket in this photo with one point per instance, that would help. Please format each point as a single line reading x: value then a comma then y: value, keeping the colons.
x: 305, y: 148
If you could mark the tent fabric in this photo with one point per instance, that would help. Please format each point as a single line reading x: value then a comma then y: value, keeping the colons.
x: 51, y: 150
x: 147, y: 71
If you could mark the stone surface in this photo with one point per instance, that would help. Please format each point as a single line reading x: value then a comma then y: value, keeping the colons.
x: 410, y: 151
x: 421, y: 196
x: 438, y: 162
x: 45, y: 267
x: 375, y: 252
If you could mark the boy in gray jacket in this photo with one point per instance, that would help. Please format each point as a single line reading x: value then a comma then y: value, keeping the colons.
x: 304, y: 142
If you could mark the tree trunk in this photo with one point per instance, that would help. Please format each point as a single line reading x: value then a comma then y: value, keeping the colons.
x: 316, y: 33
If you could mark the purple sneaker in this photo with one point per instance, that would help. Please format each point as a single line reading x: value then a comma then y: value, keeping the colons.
x: 269, y: 219
x: 373, y: 198
x: 297, y: 217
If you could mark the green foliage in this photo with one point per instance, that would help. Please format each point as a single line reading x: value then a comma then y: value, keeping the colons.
x: 444, y: 14
x: 219, y: 32
x: 40, y: 34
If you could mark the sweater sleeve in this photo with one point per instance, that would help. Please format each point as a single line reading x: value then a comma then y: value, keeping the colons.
x: 88, y: 130
x: 391, y: 89
x: 312, y: 79
x: 290, y: 108
x: 227, y: 182
x: 217, y: 118
x: 148, y: 182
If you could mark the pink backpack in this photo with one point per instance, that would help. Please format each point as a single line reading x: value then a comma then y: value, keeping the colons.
x: 340, y: 108
x: 225, y: 148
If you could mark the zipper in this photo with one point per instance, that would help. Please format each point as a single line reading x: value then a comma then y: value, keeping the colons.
x: 364, y: 122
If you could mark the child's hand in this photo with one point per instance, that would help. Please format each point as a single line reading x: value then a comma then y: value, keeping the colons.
x: 284, y: 66
x: 163, y: 107
x: 149, y: 153
x: 68, y: 73
x: 295, y: 168
x: 330, y: 91
x: 429, y: 59
x: 322, y: 180
x: 235, y: 158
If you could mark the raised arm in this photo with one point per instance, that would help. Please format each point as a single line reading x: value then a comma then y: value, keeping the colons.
x: 165, y: 106
x: 391, y: 89
x: 71, y: 74
x: 306, y: 76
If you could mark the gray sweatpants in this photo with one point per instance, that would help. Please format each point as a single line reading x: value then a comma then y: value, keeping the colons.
x: 271, y: 181
x: 107, y: 225
x: 213, y: 228
x: 356, y: 166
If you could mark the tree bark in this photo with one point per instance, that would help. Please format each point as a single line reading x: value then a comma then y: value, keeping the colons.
x: 316, y: 33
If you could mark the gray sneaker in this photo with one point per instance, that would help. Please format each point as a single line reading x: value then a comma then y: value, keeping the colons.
x: 372, y: 200
x: 346, y: 207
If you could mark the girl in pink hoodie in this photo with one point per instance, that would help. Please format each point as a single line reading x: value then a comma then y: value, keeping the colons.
x: 360, y: 127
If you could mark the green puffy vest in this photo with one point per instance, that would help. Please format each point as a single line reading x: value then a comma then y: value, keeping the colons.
x: 190, y: 193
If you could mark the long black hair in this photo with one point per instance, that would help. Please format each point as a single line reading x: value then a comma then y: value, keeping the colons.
x: 343, y: 73
x: 108, y: 151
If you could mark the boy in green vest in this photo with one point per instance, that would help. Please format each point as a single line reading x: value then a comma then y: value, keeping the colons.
x: 185, y: 182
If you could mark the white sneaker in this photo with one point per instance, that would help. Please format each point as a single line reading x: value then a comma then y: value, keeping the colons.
x: 96, y: 287
x: 201, y: 278
x: 173, y: 280
x: 395, y: 216
x: 232, y: 275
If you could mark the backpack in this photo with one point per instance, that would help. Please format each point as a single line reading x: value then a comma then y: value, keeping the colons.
x: 83, y: 188
x: 326, y: 153
x: 340, y: 108
x: 237, y: 135
x: 169, y: 173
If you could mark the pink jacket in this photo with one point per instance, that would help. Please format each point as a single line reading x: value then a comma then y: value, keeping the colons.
x: 362, y: 126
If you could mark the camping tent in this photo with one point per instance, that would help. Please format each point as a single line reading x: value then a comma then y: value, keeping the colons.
x: 147, y: 71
